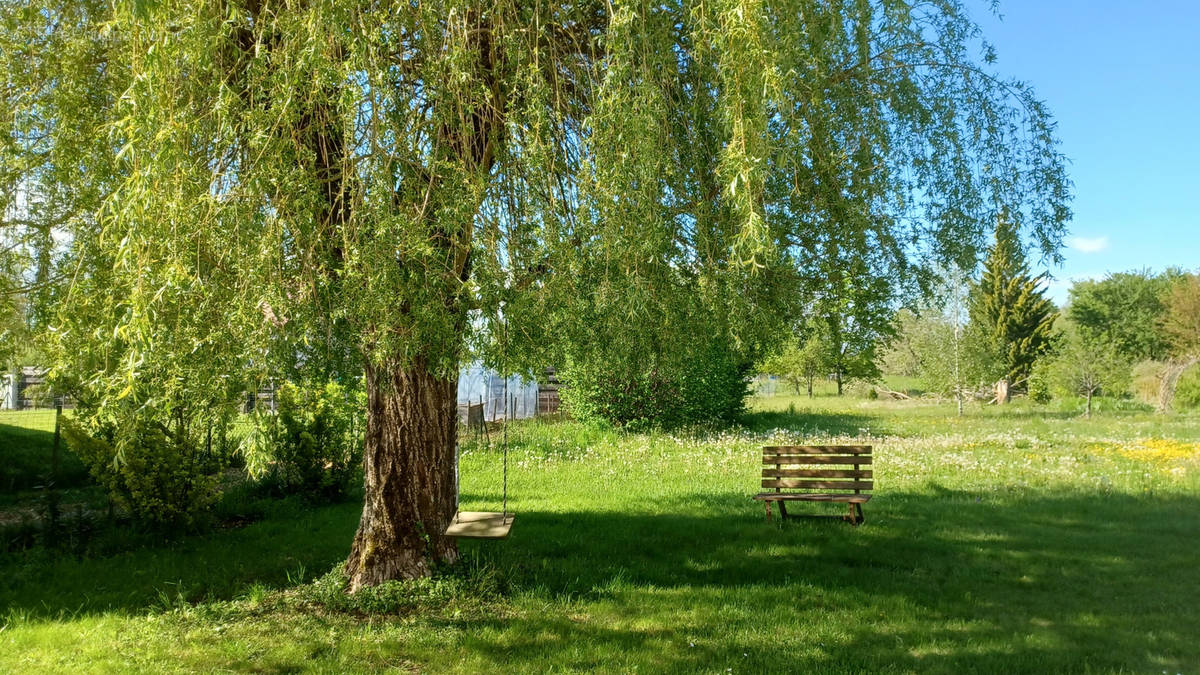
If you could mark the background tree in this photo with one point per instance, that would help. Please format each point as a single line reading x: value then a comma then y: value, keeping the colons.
x: 854, y: 317
x: 1124, y: 310
x: 699, y: 381
x: 1181, y: 327
x: 903, y: 355
x: 1086, y: 366
x: 13, y: 329
x: 801, y: 361
x: 1010, y: 316
x: 421, y: 175
x: 54, y: 171
x: 932, y: 345
x: 851, y: 349
x: 925, y: 349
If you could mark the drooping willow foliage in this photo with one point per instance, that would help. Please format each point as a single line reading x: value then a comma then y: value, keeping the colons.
x: 326, y: 180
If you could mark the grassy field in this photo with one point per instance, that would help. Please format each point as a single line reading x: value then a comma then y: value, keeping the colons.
x: 26, y: 448
x: 1022, y: 539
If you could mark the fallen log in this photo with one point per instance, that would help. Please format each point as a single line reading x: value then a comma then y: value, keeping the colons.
x: 894, y: 394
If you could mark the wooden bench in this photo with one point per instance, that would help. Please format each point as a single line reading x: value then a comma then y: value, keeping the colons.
x: 811, y: 467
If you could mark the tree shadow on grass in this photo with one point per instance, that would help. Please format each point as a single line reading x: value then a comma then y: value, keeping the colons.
x: 221, y: 564
x: 946, y: 581
x: 938, y: 580
x: 24, y: 457
x: 26, y: 460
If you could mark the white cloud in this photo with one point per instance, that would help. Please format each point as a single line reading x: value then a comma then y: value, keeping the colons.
x: 1088, y: 244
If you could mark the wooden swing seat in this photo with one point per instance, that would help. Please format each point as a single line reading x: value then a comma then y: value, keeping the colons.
x: 480, y: 525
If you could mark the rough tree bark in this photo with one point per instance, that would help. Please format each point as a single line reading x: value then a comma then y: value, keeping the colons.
x: 409, y: 476
x: 408, y: 455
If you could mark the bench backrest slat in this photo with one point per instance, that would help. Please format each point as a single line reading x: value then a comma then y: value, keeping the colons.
x: 817, y: 459
x: 786, y: 466
x: 817, y: 450
x: 816, y: 473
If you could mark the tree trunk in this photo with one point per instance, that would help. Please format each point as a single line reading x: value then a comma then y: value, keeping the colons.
x: 1170, y: 380
x: 839, y: 382
x: 810, y: 383
x: 1088, y: 414
x: 1002, y: 391
x: 408, y: 462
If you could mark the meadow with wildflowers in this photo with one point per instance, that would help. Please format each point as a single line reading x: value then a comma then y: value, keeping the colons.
x: 1021, y: 538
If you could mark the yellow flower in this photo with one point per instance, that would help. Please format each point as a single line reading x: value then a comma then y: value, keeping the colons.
x: 1160, y: 451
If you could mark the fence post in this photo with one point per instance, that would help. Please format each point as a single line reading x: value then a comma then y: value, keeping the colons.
x: 57, y: 440
x: 51, y: 489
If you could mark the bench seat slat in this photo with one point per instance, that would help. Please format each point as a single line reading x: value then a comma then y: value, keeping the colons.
x: 798, y: 497
x: 792, y: 483
x: 817, y: 450
x: 816, y: 459
x: 816, y: 473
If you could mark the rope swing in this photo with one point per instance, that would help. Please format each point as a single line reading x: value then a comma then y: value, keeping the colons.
x: 485, y: 524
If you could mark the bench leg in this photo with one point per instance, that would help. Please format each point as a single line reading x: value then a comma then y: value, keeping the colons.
x: 856, y: 514
x: 783, y: 514
x: 767, y: 503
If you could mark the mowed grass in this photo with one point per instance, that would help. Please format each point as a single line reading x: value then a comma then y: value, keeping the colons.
x: 26, y: 453
x: 1013, y: 539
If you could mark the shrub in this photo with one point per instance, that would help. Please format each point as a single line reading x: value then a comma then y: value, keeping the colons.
x: 861, y: 388
x: 1088, y: 368
x: 710, y: 388
x: 1041, y: 380
x: 311, y: 445
x: 161, y: 476
x: 1187, y: 392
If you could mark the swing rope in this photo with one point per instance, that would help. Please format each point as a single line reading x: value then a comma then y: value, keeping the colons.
x: 458, y: 469
x: 505, y: 446
x: 504, y: 440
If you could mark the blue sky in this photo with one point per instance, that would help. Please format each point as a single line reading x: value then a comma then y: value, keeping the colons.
x: 1123, y: 81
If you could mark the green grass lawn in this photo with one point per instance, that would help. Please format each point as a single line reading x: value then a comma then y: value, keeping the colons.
x: 1015, y: 539
x: 26, y: 451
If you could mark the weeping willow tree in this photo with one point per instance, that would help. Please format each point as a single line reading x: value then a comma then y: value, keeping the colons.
x: 410, y: 179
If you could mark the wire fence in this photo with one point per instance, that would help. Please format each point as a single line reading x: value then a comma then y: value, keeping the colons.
x: 33, y: 454
x: 765, y: 385
x: 31, y: 450
x: 31, y: 419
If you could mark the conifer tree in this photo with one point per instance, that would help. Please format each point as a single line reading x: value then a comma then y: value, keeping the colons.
x: 1011, y: 317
